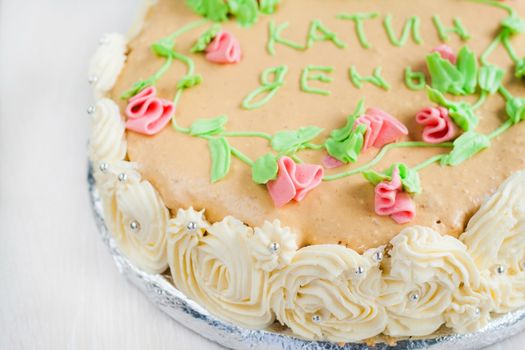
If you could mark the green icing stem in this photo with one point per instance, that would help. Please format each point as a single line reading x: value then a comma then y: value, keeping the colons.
x: 261, y: 135
x: 296, y: 159
x: 498, y: 4
x: 411, y: 77
x: 510, y: 50
x: 443, y: 31
x: 187, y: 28
x: 306, y: 77
x: 241, y: 156
x: 358, y: 19
x: 488, y: 51
x: 382, y: 153
x: 505, y: 93
x: 412, y: 25
x: 502, y: 128
x: 428, y: 162
x: 482, y: 98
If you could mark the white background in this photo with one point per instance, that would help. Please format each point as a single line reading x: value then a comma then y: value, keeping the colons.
x: 59, y: 288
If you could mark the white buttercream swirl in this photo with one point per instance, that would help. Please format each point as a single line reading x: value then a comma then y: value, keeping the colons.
x: 422, y: 276
x: 107, y: 63
x: 329, y: 292
x: 495, y: 238
x: 261, y: 246
x: 217, y: 270
x: 107, y: 142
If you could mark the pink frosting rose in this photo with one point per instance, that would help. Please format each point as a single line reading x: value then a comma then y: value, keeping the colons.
x: 382, y: 128
x: 390, y: 200
x: 294, y: 181
x: 446, y: 53
x: 224, y: 48
x: 438, y: 127
x: 148, y: 114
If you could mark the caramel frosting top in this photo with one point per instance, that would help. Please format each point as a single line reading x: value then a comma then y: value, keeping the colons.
x: 339, y: 212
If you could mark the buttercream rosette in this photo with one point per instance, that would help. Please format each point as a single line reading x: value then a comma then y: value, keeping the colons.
x: 107, y: 63
x: 329, y: 292
x: 107, y: 143
x: 215, y: 268
x: 425, y: 279
x: 495, y: 238
x: 273, y: 246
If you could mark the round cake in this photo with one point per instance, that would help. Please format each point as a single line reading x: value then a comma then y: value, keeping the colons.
x: 347, y: 168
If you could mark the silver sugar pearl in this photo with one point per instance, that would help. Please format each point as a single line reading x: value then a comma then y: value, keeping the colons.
x: 477, y: 311
x: 191, y: 226
x: 500, y: 269
x: 360, y: 270
x: 91, y: 109
x: 122, y: 177
x: 413, y: 296
x: 134, y: 225
x: 274, y: 247
x: 378, y: 256
x: 316, y: 318
x: 93, y: 79
x: 103, y: 167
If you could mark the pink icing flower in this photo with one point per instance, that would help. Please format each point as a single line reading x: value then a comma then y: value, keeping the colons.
x: 390, y: 200
x: 148, y: 114
x: 224, y: 48
x: 330, y: 162
x: 382, y: 128
x: 294, y: 181
x: 446, y: 53
x: 438, y: 127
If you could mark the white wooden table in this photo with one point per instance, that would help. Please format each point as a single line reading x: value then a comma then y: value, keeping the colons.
x: 59, y: 288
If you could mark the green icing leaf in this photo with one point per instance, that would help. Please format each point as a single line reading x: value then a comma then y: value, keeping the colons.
x: 264, y: 169
x: 206, y: 38
x: 467, y: 65
x: 346, y: 143
x: 208, y: 126
x: 268, y: 6
x: 490, y: 78
x: 215, y: 10
x: 409, y: 177
x: 135, y: 89
x: 349, y: 149
x: 461, y: 112
x: 220, y: 153
x: 513, y: 25
x: 163, y: 47
x: 465, y: 147
x: 344, y: 132
x: 519, y: 71
x: 515, y: 109
x: 291, y: 141
x: 245, y: 11
x: 189, y: 81
x: 459, y: 79
x: 445, y: 76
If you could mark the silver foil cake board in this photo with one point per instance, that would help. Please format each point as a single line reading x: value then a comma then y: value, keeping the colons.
x: 164, y: 295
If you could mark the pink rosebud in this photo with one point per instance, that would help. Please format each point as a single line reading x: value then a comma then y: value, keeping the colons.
x: 330, y: 162
x: 390, y: 200
x: 382, y: 128
x: 224, y: 48
x: 446, y: 53
x: 148, y: 114
x: 438, y: 127
x: 294, y: 181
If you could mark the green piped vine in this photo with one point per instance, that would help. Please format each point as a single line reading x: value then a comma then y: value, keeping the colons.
x: 345, y: 144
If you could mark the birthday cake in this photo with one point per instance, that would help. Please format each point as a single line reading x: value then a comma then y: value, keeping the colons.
x: 346, y: 168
